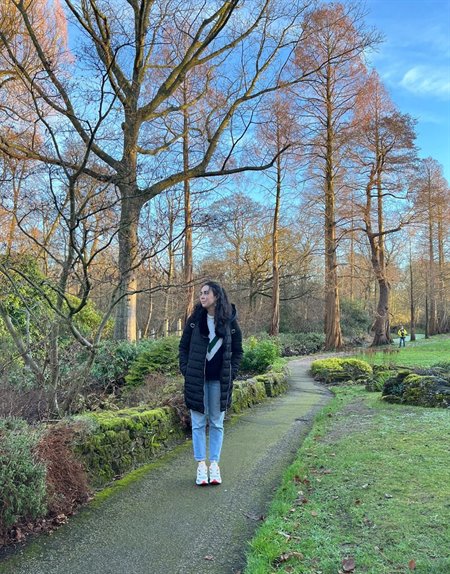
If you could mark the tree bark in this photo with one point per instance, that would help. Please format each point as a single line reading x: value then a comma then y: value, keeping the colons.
x: 382, y: 323
x: 411, y: 298
x: 275, y: 324
x: 125, y: 326
x: 332, y: 320
x: 188, y: 255
x: 444, y: 325
x: 432, y: 318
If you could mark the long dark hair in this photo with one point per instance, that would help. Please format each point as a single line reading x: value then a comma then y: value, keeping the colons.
x: 223, y: 309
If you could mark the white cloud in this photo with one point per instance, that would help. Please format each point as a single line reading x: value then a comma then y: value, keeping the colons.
x: 422, y: 80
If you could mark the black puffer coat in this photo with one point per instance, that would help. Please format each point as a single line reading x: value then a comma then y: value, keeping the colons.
x: 193, y: 347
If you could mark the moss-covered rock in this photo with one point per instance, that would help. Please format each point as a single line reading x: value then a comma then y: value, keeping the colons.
x: 275, y: 382
x: 113, y: 443
x: 246, y: 394
x: 419, y: 390
x: 336, y: 370
x: 253, y: 391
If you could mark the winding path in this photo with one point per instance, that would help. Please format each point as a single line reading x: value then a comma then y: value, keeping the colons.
x: 164, y: 524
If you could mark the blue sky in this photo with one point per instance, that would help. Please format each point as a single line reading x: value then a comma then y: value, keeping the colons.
x: 414, y: 64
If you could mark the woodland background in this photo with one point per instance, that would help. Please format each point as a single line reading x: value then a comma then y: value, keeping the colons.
x: 146, y: 146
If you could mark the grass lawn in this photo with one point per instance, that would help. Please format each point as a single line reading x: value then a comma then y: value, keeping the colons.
x: 423, y: 353
x: 369, y: 491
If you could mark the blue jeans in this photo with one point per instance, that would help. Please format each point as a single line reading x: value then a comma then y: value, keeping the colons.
x: 402, y: 342
x: 215, y: 418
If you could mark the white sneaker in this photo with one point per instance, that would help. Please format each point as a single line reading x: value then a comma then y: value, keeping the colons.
x: 214, y: 474
x: 202, y: 474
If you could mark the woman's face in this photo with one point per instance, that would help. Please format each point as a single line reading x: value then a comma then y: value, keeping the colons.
x: 208, y: 299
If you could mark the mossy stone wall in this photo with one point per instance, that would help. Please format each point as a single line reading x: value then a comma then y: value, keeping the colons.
x: 114, y: 443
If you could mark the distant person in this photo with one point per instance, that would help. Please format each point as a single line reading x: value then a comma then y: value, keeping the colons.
x: 402, y: 332
x: 210, y: 354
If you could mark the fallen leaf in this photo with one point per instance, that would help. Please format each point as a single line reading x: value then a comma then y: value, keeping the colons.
x: 388, y: 496
x: 209, y: 557
x: 412, y: 564
x: 357, y: 501
x: 288, y: 555
x: 348, y: 564
x: 314, y: 513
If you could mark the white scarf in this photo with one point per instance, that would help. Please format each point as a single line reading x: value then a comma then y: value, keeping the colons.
x: 215, y: 342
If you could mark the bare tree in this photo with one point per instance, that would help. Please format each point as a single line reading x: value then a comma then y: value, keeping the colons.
x: 384, y: 152
x: 129, y: 92
x: 430, y: 192
x: 336, y: 34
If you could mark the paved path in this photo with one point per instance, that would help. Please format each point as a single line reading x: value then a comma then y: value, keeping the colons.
x: 164, y: 524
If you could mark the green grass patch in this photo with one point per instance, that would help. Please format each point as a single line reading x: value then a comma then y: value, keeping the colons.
x: 421, y: 353
x: 370, y: 488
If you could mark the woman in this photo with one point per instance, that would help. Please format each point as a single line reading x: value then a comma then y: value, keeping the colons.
x: 210, y: 353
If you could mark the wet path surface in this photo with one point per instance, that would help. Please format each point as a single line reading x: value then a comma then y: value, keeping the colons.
x: 163, y: 524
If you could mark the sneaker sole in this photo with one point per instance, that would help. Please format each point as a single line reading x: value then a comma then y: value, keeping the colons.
x: 215, y: 482
x: 203, y: 483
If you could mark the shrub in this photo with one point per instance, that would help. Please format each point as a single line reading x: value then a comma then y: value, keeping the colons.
x: 259, y: 355
x: 338, y: 370
x: 293, y: 344
x: 113, y: 361
x: 22, y: 476
x: 161, y: 357
x: 378, y: 381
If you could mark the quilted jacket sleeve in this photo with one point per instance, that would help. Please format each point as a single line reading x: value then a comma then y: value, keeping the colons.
x: 236, y: 348
x: 185, y: 343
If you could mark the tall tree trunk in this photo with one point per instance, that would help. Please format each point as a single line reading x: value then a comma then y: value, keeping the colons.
x: 444, y: 325
x: 275, y: 324
x: 432, y: 320
x: 411, y: 298
x: 352, y: 262
x: 382, y: 323
x: 332, y: 320
x: 188, y: 257
x: 167, y: 319
x: 125, y: 326
x: 150, y: 304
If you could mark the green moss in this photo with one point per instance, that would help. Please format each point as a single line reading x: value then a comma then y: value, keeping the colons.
x: 427, y: 390
x: 118, y: 442
x: 341, y: 370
